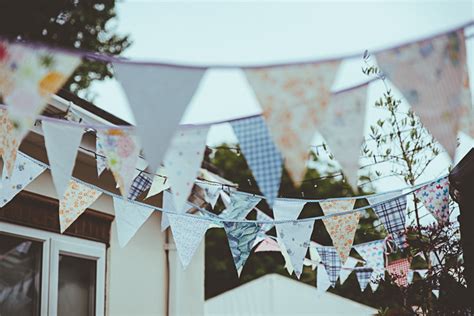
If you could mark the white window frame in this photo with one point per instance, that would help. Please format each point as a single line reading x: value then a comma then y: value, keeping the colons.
x: 54, y: 245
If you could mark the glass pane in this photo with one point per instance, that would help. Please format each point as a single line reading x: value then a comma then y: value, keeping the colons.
x: 20, y: 276
x: 76, y: 286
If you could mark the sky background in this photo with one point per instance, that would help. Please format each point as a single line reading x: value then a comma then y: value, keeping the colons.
x: 267, y: 32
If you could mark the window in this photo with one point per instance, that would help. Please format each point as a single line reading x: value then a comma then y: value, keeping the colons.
x: 44, y: 273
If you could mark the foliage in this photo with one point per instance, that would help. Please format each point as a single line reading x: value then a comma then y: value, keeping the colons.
x: 81, y: 24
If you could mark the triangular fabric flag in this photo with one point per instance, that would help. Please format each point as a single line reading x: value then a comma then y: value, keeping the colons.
x: 61, y: 141
x: 363, y: 276
x: 9, y: 142
x: 288, y: 264
x: 410, y: 275
x: 140, y: 184
x: 314, y: 255
x: 322, y: 280
x: 29, y: 76
x: 101, y: 160
x: 392, y: 214
x: 374, y: 284
x: 293, y: 235
x: 187, y: 234
x: 466, y: 120
x: 168, y: 207
x: 183, y: 160
x: 373, y: 254
x: 435, y: 293
x: 121, y: 149
x: 159, y: 184
x: 23, y: 173
x: 77, y: 198
x: 343, y: 129
x: 261, y: 154
x: 431, y: 76
x: 331, y: 262
x: 268, y: 244
x: 422, y: 273
x: 240, y: 205
x: 158, y: 101
x: 347, y: 269
x: 211, y: 192
x: 261, y: 216
x: 341, y: 228
x: 241, y: 236
x: 129, y: 217
x: 398, y: 270
x: 294, y: 100
x: 435, y: 197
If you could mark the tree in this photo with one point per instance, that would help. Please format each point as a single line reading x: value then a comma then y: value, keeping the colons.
x: 80, y: 24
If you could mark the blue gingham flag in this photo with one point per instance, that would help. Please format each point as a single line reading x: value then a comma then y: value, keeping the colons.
x: 363, y: 276
x: 331, y: 261
x: 261, y: 154
x: 140, y: 184
x: 392, y: 213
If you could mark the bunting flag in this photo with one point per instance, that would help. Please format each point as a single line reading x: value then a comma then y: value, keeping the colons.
x: 343, y: 129
x: 187, y: 234
x: 77, y: 198
x: 158, y: 101
x: 241, y: 236
x: 314, y: 255
x: 288, y: 264
x: 183, y: 160
x: 101, y: 160
x: 341, y: 228
x: 240, y: 205
x: 23, y: 173
x: 398, y: 270
x: 410, y: 275
x: 295, y: 235
x: 9, y: 141
x: 435, y: 197
x: 261, y: 154
x: 431, y: 76
x: 129, y: 218
x: 392, y: 214
x: 61, y: 141
x: 331, y: 261
x: 268, y: 244
x: 261, y: 216
x: 159, y: 184
x: 373, y: 254
x: 140, y: 184
x: 28, y: 78
x: 121, y: 149
x: 347, y: 269
x: 322, y: 279
x: 435, y: 293
x: 168, y: 207
x: 363, y: 276
x: 211, y: 192
x: 466, y: 123
x: 294, y: 99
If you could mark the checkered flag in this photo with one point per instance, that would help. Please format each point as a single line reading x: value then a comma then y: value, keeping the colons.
x: 331, y: 261
x: 261, y: 154
x: 392, y: 213
x: 140, y: 184
x: 398, y: 270
x: 363, y: 276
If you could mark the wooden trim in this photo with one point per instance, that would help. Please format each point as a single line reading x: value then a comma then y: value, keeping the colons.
x: 41, y: 212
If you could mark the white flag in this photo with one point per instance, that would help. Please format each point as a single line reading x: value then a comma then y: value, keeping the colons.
x: 322, y: 279
x: 211, y: 192
x: 347, y: 269
x: 61, y: 141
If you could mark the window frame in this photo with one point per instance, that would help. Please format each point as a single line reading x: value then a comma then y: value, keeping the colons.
x: 55, y: 244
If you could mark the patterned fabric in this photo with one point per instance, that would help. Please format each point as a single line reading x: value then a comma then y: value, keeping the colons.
x: 261, y: 154
x: 373, y: 254
x: 431, y: 75
x: 435, y: 197
x: 75, y: 201
x: 211, y: 192
x: 261, y: 216
x: 241, y: 238
x: 331, y: 262
x: 398, y: 270
x: 392, y: 214
x: 240, y: 205
x: 101, y: 160
x: 121, y: 149
x: 9, y: 142
x: 343, y: 129
x: 363, y: 276
x: 294, y: 100
x: 28, y: 78
x: 341, y: 228
x: 268, y: 244
x: 140, y: 184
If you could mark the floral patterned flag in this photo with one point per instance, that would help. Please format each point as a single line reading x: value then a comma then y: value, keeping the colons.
x: 294, y: 99
x: 211, y: 192
x: 183, y: 161
x: 241, y: 238
x: 187, y: 234
x: 9, y: 141
x: 398, y: 270
x: 343, y: 129
x: 435, y: 197
x: 431, y: 75
x: 61, y: 141
x: 363, y: 276
x: 24, y: 172
x: 240, y: 205
x: 77, y: 198
x: 28, y: 78
x: 121, y: 149
x: 373, y: 254
x: 158, y: 97
x: 129, y: 217
x: 341, y: 228
x: 331, y: 261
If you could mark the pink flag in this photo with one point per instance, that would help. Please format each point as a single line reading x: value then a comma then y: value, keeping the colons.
x: 398, y: 270
x: 268, y: 244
